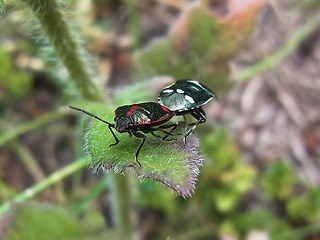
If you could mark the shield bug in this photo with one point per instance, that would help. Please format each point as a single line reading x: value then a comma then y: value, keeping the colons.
x: 186, y: 97
x: 137, y: 119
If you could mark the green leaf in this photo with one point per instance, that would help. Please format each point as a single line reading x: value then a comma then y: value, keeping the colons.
x: 308, y: 202
x: 169, y: 162
x: 48, y: 222
x: 259, y: 218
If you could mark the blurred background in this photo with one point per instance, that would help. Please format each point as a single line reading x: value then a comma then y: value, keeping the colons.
x: 260, y: 178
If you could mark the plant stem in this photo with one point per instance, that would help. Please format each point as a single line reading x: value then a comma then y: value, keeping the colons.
x: 27, y: 160
x: 52, y: 21
x: 52, y: 179
x: 51, y: 18
x: 31, y: 125
x: 123, y: 206
x: 289, y: 47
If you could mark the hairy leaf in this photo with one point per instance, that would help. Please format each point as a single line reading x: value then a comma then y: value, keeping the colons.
x: 169, y: 162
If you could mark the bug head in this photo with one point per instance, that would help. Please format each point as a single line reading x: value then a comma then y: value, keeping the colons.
x: 123, y: 123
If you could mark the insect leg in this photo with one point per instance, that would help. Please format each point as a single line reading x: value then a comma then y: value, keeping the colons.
x: 162, y: 127
x: 158, y: 136
x: 174, y: 126
x: 198, y: 114
x: 165, y: 126
x: 114, y: 135
x: 185, y: 119
x: 139, y: 135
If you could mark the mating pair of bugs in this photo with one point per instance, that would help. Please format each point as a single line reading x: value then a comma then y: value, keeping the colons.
x: 181, y: 98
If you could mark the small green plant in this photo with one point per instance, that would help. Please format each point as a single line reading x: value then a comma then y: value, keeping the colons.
x: 230, y: 176
x: 305, y: 207
x: 278, y: 181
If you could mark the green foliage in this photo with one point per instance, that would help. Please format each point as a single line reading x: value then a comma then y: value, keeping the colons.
x: 161, y: 59
x: 152, y: 195
x: 212, y: 39
x: 259, y: 219
x: 51, y: 13
x: 135, y: 93
x: 94, y: 192
x: 278, y: 180
x: 225, y: 181
x: 230, y: 177
x: 46, y: 222
x: 13, y: 84
x: 310, y: 4
x: 305, y: 207
x: 1, y: 6
x: 6, y: 192
x: 211, y: 34
x: 227, y: 228
x: 28, y: 126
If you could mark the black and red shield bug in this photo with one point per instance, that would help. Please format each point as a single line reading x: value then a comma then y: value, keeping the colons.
x: 137, y: 119
x: 184, y: 97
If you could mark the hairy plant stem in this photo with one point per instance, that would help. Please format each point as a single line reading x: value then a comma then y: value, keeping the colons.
x: 53, y: 22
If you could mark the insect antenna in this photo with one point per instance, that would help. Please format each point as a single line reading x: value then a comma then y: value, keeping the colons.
x: 90, y: 114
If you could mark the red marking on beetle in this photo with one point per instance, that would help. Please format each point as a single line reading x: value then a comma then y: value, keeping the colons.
x: 164, y: 109
x: 132, y: 109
